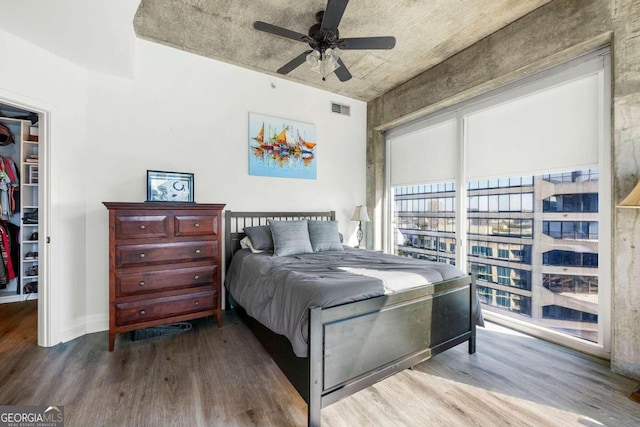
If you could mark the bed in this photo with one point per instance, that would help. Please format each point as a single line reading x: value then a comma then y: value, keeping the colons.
x: 343, y: 343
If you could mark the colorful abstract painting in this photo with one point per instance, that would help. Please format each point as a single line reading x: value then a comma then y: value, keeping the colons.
x: 281, y: 148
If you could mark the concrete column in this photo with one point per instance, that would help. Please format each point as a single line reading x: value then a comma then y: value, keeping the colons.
x: 626, y: 170
x: 375, y: 176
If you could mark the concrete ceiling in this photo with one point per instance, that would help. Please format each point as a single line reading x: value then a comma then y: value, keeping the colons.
x: 427, y: 32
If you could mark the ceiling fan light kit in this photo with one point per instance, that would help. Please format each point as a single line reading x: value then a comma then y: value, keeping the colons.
x: 324, y: 40
x: 323, y: 63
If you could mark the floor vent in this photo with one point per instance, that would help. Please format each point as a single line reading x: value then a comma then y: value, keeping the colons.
x: 345, y: 110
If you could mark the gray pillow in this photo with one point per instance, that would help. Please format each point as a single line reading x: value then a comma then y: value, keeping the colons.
x: 290, y: 237
x: 260, y: 237
x: 324, y: 236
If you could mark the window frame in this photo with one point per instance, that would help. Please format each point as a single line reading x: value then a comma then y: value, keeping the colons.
x: 595, y: 62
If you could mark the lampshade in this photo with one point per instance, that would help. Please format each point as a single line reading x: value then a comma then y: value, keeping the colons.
x: 325, y: 62
x: 313, y: 59
x: 360, y: 214
x: 633, y: 198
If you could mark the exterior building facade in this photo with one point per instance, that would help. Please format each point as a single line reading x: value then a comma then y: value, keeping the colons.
x: 532, y: 243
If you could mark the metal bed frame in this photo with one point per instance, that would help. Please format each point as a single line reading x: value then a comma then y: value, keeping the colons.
x: 355, y: 345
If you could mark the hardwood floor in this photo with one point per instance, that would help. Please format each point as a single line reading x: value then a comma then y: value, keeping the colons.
x: 223, y: 377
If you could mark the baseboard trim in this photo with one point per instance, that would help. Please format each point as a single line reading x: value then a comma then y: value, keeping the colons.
x: 96, y: 323
x: 88, y: 325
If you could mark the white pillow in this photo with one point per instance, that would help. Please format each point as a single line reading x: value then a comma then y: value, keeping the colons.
x: 246, y: 244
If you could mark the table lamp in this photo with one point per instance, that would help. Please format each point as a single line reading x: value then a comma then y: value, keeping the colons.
x: 360, y: 214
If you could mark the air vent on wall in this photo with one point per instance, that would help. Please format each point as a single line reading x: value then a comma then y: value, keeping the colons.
x: 345, y: 110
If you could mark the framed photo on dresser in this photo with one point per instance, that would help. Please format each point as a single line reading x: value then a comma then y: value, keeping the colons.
x: 169, y: 187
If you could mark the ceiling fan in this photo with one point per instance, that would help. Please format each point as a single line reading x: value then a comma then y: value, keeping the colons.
x: 324, y: 40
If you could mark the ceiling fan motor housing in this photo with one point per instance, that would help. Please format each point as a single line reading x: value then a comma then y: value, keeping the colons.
x: 322, y: 39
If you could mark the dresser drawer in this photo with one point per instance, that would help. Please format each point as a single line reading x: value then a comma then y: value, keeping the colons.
x: 162, y: 280
x: 196, y: 225
x: 128, y: 255
x: 157, y: 308
x: 142, y: 226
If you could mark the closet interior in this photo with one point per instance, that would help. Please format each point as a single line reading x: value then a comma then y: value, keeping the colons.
x: 19, y: 200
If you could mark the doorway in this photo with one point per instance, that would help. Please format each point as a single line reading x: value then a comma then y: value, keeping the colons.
x: 23, y: 202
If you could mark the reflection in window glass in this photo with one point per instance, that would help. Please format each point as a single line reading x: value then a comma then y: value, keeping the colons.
x: 527, y: 202
x: 493, y: 203
x: 501, y: 235
x: 483, y: 203
x: 527, y: 181
x: 514, y: 202
x: 425, y: 224
x: 503, y: 202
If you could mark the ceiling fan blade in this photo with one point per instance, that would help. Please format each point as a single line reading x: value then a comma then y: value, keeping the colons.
x: 333, y: 14
x: 367, y: 43
x: 294, y: 63
x: 341, y: 72
x: 279, y: 31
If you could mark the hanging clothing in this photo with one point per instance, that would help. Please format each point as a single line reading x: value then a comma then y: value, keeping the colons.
x: 9, y: 182
x: 14, y: 245
x: 5, y: 251
x: 4, y: 255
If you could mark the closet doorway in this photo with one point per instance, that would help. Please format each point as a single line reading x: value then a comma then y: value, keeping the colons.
x: 23, y: 141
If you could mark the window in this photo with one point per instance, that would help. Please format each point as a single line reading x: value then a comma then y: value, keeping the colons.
x: 533, y: 177
x: 571, y: 203
x: 575, y: 230
x: 512, y: 302
x: 570, y: 259
x: 504, y: 278
x: 424, y: 226
x: 583, y: 175
x: 572, y: 284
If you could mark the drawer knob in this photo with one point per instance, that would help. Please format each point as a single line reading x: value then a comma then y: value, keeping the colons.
x: 196, y: 225
x: 143, y: 312
x: 142, y: 255
x: 142, y: 227
x: 197, y: 302
x: 141, y: 283
x: 198, y: 251
x: 196, y: 277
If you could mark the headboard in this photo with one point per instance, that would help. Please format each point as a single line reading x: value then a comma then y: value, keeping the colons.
x: 234, y: 223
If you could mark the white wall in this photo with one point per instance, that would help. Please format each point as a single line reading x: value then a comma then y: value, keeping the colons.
x: 95, y: 34
x: 180, y: 112
x: 35, y: 78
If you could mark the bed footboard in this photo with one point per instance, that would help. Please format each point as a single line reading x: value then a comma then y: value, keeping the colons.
x: 353, y: 346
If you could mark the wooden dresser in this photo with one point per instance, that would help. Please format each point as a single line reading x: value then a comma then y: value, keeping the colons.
x: 164, y: 264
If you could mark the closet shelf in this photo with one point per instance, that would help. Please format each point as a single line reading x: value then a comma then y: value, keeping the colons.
x: 25, y: 154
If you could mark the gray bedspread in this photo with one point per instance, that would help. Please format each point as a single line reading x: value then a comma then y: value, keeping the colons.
x: 278, y: 291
